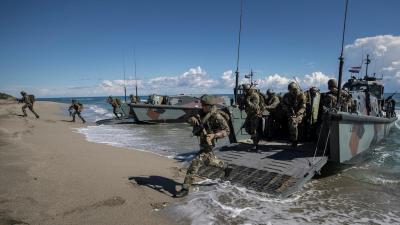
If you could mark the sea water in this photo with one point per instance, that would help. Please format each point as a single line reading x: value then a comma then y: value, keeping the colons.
x: 367, y: 193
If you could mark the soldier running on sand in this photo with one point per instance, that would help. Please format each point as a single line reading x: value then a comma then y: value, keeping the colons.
x: 77, y: 107
x: 28, y: 101
x: 294, y: 105
x: 209, y: 126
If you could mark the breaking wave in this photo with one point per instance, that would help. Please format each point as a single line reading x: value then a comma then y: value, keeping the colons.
x: 159, y: 138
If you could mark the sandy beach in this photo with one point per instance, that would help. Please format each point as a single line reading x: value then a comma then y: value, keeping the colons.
x: 50, y: 174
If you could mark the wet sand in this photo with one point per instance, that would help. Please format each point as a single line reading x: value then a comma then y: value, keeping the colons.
x: 52, y: 175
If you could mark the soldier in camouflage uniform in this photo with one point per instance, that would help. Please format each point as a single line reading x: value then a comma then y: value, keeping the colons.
x: 213, y: 125
x: 116, y: 107
x: 254, y: 108
x: 272, y: 101
x: 134, y: 99
x: 329, y: 100
x: 272, y: 106
x: 28, y: 103
x: 294, y: 106
x: 77, y: 107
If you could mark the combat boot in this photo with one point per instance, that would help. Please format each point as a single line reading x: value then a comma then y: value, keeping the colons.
x: 182, y: 193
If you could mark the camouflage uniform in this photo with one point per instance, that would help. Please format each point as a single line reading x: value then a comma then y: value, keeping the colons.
x: 253, y: 107
x: 272, y: 102
x: 294, y: 105
x: 116, y: 107
x: 27, y: 104
x: 215, y: 127
x: 77, y: 107
x: 134, y: 99
x: 272, y: 106
x: 329, y: 100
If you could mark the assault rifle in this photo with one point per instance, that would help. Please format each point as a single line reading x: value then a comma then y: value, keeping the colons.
x: 391, y: 96
x: 199, y: 129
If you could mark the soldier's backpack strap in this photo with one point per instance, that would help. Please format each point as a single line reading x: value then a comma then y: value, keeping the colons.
x: 224, y: 114
x: 32, y: 98
x: 118, y: 101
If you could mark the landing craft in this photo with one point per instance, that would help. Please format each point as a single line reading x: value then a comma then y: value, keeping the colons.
x: 340, y: 136
x: 162, y: 109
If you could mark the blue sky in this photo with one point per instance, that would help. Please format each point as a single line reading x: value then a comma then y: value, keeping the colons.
x: 68, y: 48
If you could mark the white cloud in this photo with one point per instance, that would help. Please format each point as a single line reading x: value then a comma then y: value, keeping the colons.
x: 385, y: 53
x: 228, y: 79
x: 280, y: 82
x: 316, y: 79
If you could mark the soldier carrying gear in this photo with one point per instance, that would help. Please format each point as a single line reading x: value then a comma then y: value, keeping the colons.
x: 78, y: 108
x: 254, y: 107
x: 28, y: 101
x: 134, y: 99
x: 329, y: 100
x: 272, y: 101
x: 115, y: 103
x: 214, y: 126
x: 294, y: 105
x: 272, y: 106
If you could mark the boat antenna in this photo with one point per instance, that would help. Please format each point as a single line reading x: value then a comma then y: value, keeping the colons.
x: 367, y: 62
x: 238, y: 56
x: 134, y: 60
x: 341, y: 58
x: 124, y: 78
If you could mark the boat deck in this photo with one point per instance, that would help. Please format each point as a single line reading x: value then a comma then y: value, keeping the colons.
x: 275, y: 168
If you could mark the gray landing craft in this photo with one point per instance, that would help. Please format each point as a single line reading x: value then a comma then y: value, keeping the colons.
x: 163, y: 109
x: 340, y: 137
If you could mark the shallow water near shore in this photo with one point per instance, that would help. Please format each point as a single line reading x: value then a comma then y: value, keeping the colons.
x: 368, y: 193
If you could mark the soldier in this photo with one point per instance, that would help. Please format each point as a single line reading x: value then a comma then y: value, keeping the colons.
x: 272, y: 106
x: 28, y: 101
x: 77, y: 107
x: 272, y: 101
x: 329, y: 100
x: 209, y: 126
x: 116, y: 106
x: 254, y: 107
x: 294, y: 105
x: 134, y: 99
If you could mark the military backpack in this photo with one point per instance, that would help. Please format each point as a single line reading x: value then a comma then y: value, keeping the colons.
x: 31, y: 98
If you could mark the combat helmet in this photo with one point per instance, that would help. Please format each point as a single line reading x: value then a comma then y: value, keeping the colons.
x: 23, y: 93
x: 293, y: 86
x: 246, y: 87
x: 270, y: 92
x: 332, y: 83
x: 207, y: 100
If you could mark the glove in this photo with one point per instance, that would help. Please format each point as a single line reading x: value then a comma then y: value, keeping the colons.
x: 193, y: 121
x: 210, y: 138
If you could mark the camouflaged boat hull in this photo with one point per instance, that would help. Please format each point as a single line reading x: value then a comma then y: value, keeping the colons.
x: 353, y: 135
x: 162, y: 113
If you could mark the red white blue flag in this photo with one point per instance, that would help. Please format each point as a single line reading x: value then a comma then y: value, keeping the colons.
x: 355, y: 69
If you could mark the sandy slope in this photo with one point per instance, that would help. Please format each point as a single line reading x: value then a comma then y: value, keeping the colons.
x: 51, y: 175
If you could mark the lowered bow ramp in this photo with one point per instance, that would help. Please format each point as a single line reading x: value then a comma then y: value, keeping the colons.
x: 275, y: 168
